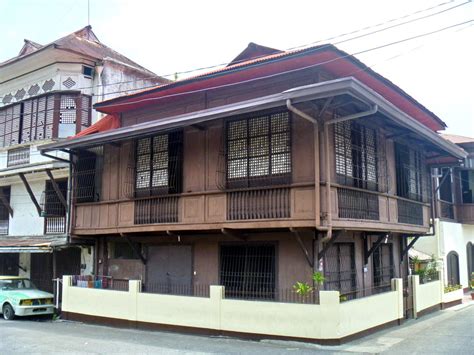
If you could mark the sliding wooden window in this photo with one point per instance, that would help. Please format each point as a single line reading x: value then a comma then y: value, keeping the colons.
x: 258, y: 150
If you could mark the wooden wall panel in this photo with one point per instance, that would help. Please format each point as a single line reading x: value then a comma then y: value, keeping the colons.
x: 214, y: 147
x: 302, y: 203
x: 194, y: 164
x: 216, y: 208
x: 302, y: 150
x: 126, y: 213
x: 192, y: 209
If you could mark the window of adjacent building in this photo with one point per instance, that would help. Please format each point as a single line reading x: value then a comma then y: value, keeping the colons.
x: 467, y: 186
x: 87, y: 71
x: 355, y: 148
x: 44, y: 117
x: 409, y: 172
x: 53, y: 209
x: 4, y: 212
x: 158, y: 167
x: 258, y: 150
x: 18, y: 156
x: 445, y: 189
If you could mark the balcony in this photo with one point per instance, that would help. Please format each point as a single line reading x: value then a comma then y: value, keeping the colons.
x: 55, y: 225
x: 410, y: 212
x: 465, y: 213
x: 4, y: 227
x: 446, y: 210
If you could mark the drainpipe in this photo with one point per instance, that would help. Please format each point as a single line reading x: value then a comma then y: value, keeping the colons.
x: 300, y: 113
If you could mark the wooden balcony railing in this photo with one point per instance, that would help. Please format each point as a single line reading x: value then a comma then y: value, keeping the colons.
x: 465, y: 213
x: 258, y: 204
x: 357, y: 204
x: 410, y: 212
x: 446, y: 209
x: 4, y: 227
x: 157, y: 210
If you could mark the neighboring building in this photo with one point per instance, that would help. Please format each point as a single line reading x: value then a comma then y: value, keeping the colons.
x: 453, y: 244
x: 46, y: 94
x: 258, y: 174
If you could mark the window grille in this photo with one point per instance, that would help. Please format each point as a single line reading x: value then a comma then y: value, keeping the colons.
x: 4, y: 213
x: 339, y: 269
x: 51, y: 204
x: 358, y: 159
x: 87, y: 175
x: 158, y: 164
x: 248, y: 271
x: 382, y: 260
x: 18, y: 156
x: 410, y: 212
x: 10, y: 125
x: 412, y: 180
x: 258, y: 150
x: 38, y: 119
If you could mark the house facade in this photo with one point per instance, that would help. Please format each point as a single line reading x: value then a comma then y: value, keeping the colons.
x: 46, y: 95
x: 454, y: 239
x: 256, y: 176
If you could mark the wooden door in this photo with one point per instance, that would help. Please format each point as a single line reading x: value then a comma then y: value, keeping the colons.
x: 41, y: 273
x: 169, y: 269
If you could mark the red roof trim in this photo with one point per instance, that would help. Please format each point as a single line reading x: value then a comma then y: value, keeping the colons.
x: 105, y: 124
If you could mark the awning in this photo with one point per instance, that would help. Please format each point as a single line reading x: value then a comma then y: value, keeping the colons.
x: 346, y: 86
x: 29, y: 244
x: 413, y: 253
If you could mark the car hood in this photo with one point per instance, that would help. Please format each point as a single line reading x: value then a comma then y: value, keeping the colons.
x: 27, y: 294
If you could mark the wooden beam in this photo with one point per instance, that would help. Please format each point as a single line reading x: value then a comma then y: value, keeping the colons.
x: 331, y: 241
x: 374, y: 247
x: 234, y: 234
x: 408, y: 247
x: 199, y: 127
x: 134, y: 248
x: 6, y: 203
x: 303, y: 247
x: 30, y: 192
x: 56, y: 189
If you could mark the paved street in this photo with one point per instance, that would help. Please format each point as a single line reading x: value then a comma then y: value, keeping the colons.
x: 449, y: 331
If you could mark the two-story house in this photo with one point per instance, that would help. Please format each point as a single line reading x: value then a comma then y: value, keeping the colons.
x: 46, y: 95
x: 256, y: 175
x: 453, y: 244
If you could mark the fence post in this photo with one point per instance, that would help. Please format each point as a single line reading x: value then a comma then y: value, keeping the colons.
x: 67, y: 282
x: 216, y: 295
x: 329, y: 301
x: 441, y: 283
x: 414, y: 283
x: 134, y: 288
x: 397, y: 285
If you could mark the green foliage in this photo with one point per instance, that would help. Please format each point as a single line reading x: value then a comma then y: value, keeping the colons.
x: 472, y: 281
x: 318, y: 278
x: 302, y: 288
x: 451, y: 288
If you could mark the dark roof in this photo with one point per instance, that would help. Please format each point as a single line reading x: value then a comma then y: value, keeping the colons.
x: 278, y: 57
x: 83, y: 41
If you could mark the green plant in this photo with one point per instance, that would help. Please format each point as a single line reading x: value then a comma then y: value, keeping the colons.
x: 342, y: 298
x: 302, y: 288
x: 451, y: 288
x: 318, y: 279
x: 472, y: 281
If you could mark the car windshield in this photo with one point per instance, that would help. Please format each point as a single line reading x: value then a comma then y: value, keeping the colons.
x: 17, y: 284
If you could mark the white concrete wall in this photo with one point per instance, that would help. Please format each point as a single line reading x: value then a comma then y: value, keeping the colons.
x: 328, y: 320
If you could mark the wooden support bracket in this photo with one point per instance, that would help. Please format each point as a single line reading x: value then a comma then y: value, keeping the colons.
x: 369, y: 252
x: 234, y: 234
x: 6, y: 203
x: 134, y: 248
x: 56, y: 189
x: 408, y: 247
x: 309, y: 259
x: 31, y: 194
x: 331, y: 241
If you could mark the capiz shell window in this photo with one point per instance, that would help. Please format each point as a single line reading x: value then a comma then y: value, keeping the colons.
x: 258, y: 150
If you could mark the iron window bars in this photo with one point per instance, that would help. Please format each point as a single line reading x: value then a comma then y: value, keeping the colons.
x: 158, y: 164
x: 4, y: 213
x: 258, y: 150
x: 87, y: 175
x: 339, y: 269
x: 359, y: 161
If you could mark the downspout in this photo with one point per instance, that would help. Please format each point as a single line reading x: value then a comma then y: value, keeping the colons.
x: 313, y: 120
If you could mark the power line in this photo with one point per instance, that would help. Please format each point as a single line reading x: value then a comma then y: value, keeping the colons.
x: 298, y: 69
x: 298, y: 47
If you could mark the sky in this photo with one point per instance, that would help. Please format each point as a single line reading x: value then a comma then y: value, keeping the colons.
x: 174, y: 36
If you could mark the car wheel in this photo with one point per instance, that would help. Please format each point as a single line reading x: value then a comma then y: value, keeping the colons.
x: 8, y: 312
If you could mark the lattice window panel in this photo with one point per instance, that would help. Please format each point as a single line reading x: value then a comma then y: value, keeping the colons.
x: 48, y: 85
x: 7, y: 98
x: 10, y: 125
x: 67, y: 111
x: 158, y: 164
x: 20, y: 94
x: 38, y: 117
x: 86, y: 106
x: 258, y: 150
x: 357, y: 156
x: 33, y: 90
x: 412, y: 178
x: 69, y: 83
